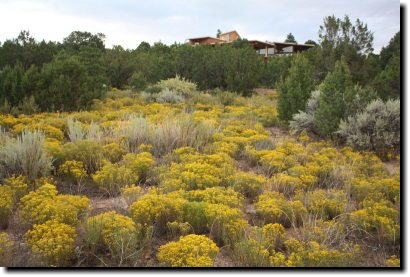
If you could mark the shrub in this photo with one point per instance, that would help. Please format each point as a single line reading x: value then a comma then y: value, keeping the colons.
x: 179, y: 132
x: 393, y: 261
x: 18, y: 185
x: 113, y: 152
x: 6, y: 249
x: 295, y: 89
x: 73, y: 169
x: 139, y: 164
x: 324, y: 204
x: 112, y: 177
x: 312, y: 254
x: 189, y: 251
x: 157, y: 209
x: 378, y: 219
x: 179, y: 85
x: 138, y: 81
x: 131, y: 193
x: 249, y: 184
x: 87, y: 151
x: 168, y: 96
x: 215, y: 195
x: 44, y: 204
x: 116, y: 233
x: 6, y: 205
x: 272, y: 207
x: 53, y: 241
x: 305, y: 120
x: 25, y: 156
x: 136, y: 132
x: 377, y: 128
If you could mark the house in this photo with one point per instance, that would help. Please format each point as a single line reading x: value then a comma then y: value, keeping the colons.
x: 263, y: 48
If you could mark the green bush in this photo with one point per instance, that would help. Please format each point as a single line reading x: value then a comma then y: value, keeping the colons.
x: 377, y: 128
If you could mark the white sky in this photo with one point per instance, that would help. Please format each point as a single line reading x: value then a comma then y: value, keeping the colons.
x: 128, y: 22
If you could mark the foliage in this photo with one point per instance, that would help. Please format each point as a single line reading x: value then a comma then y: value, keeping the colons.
x: 295, y: 89
x: 6, y: 248
x: 189, y: 251
x: 377, y: 128
x: 272, y: 207
x: 117, y: 233
x: 25, y: 156
x: 53, y: 241
x: 44, y: 204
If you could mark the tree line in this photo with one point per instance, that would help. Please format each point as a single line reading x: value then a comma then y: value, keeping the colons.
x: 66, y: 76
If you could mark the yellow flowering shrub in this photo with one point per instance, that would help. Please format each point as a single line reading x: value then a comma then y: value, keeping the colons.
x: 189, y: 251
x: 285, y: 183
x: 198, y: 172
x: 112, y: 177
x: 44, y: 204
x: 131, y: 193
x: 6, y: 205
x: 6, y: 248
x: 53, y: 242
x: 249, y: 184
x: 389, y: 187
x: 74, y: 170
x: 379, y: 219
x: 273, y: 235
x: 215, y: 195
x: 139, y: 164
x: 113, y: 152
x: 393, y: 261
x: 89, y: 152
x: 324, y: 204
x: 18, y: 185
x: 273, y: 207
x: 117, y: 233
x: 312, y: 254
x: 158, y: 209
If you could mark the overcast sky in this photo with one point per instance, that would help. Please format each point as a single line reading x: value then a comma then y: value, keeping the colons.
x: 128, y: 22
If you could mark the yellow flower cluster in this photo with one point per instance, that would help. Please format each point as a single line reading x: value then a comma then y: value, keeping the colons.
x: 273, y: 207
x: 44, y: 204
x: 324, y: 204
x: 197, y: 171
x: 249, y: 184
x: 378, y: 218
x: 393, y: 261
x: 73, y: 169
x: 132, y: 168
x: 52, y: 241
x: 312, y: 254
x: 189, y: 251
x: 117, y: 233
x: 6, y: 205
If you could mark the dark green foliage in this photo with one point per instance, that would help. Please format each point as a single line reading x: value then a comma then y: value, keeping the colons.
x: 138, y: 81
x: 295, y: 89
x: 67, y: 85
x: 392, y: 49
x: 387, y: 82
x: 337, y: 94
x: 273, y: 70
x: 290, y: 38
x: 118, y: 67
x: 310, y: 41
x: 78, y: 39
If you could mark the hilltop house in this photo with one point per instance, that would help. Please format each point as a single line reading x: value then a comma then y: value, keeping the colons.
x: 263, y: 48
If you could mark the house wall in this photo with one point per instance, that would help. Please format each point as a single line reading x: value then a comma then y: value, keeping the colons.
x: 205, y: 41
x: 230, y: 36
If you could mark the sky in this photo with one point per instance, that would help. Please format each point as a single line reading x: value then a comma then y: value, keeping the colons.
x: 128, y: 22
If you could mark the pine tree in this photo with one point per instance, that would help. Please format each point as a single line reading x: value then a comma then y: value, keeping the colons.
x: 337, y: 95
x: 295, y: 89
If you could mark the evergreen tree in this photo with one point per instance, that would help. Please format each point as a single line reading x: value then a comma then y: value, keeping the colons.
x: 295, y: 89
x: 337, y: 95
x: 290, y: 38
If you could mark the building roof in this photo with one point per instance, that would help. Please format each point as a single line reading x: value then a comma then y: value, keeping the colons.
x: 233, y: 31
x: 202, y: 38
